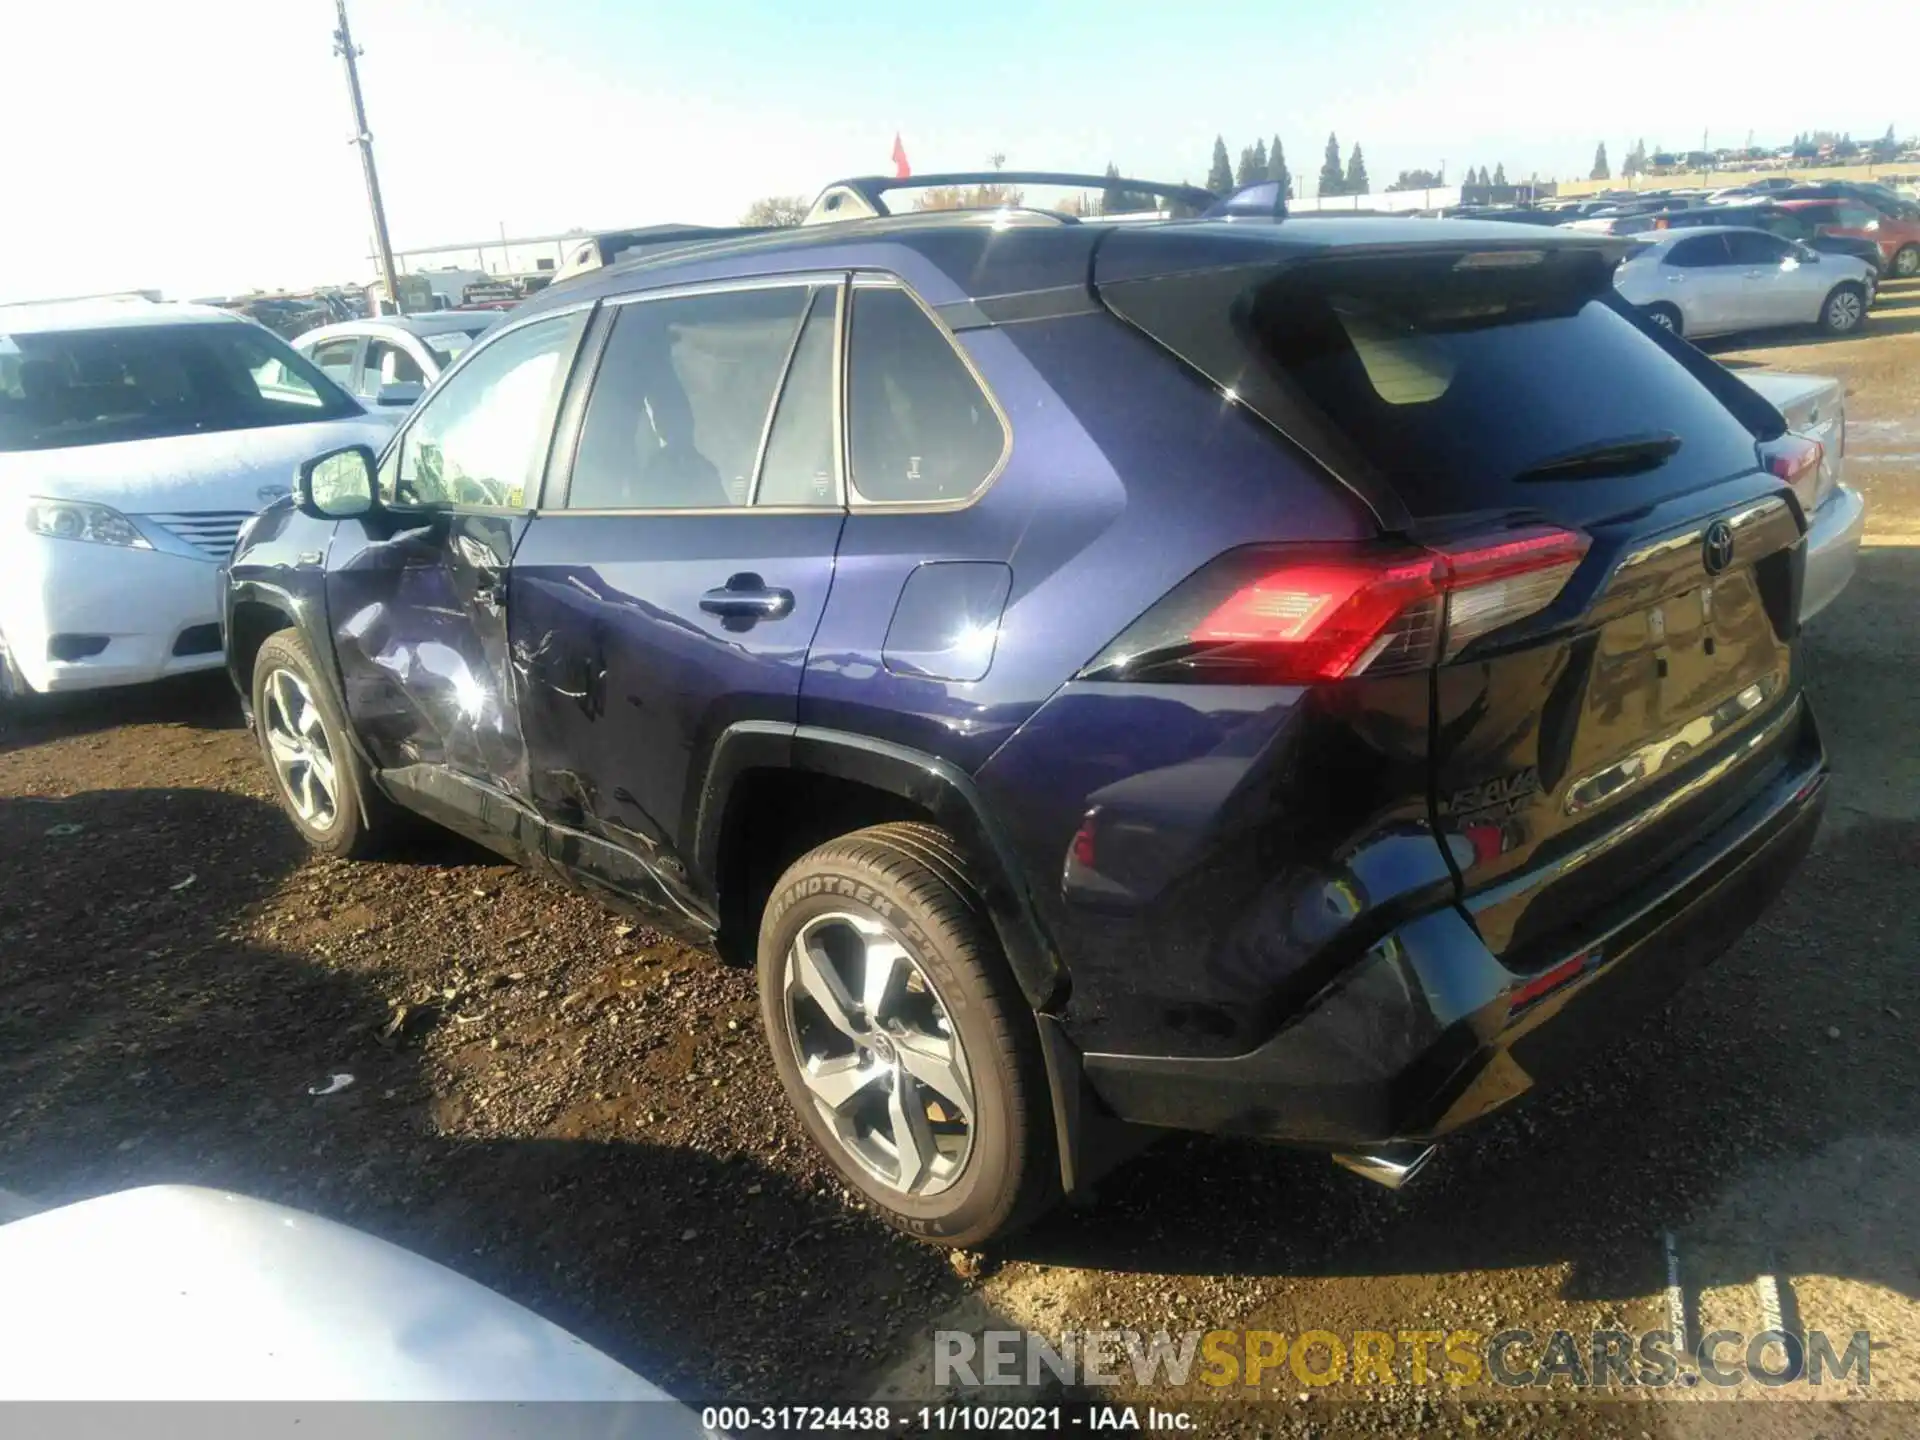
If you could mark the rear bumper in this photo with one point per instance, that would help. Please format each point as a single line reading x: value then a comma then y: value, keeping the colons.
x: 1427, y: 1033
x: 1833, y: 549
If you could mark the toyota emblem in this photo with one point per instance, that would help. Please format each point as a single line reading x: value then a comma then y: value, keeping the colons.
x: 1716, y: 550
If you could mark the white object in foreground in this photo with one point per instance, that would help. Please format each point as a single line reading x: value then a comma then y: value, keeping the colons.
x: 174, y: 1292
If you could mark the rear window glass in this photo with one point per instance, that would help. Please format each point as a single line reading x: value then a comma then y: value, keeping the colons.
x: 1453, y: 386
x: 94, y: 387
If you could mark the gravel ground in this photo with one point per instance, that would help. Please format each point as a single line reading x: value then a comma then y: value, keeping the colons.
x: 580, y: 1113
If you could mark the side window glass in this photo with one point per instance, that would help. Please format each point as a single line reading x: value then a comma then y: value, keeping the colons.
x: 919, y: 426
x: 681, y: 399
x: 335, y: 359
x: 798, y: 466
x: 482, y: 438
x: 1699, y: 250
x: 1750, y: 247
x: 388, y: 365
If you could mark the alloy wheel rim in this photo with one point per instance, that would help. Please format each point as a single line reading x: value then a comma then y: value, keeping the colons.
x: 1663, y: 320
x: 1846, y: 311
x: 1907, y: 262
x: 297, y: 744
x: 878, y: 1053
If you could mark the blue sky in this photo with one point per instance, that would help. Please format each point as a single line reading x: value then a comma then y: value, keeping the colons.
x: 202, y: 145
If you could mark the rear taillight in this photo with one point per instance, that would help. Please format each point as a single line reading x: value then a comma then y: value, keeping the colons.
x: 1280, y: 615
x: 1796, y: 460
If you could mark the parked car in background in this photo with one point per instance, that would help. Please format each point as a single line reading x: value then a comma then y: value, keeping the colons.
x: 1789, y: 222
x: 136, y: 440
x: 184, y: 1294
x: 1879, y: 197
x: 1710, y: 280
x: 388, y: 362
x: 1815, y: 406
x: 1897, y: 238
x: 1164, y: 673
x: 1736, y: 194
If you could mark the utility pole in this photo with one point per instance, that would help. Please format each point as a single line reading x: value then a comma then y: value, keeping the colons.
x: 343, y: 46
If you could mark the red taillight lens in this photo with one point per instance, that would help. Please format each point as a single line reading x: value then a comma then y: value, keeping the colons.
x: 1796, y: 460
x: 1268, y: 615
x: 1329, y: 620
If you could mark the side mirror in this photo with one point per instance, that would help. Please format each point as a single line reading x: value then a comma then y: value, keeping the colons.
x: 398, y: 392
x: 337, y: 485
x: 1808, y: 255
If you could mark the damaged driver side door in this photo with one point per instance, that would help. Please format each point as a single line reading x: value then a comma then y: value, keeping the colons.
x: 417, y: 588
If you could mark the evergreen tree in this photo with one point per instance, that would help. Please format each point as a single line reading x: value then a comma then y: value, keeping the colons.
x: 1333, y: 180
x: 1357, y: 183
x: 1277, y: 168
x: 1499, y: 174
x: 1243, y: 173
x: 1601, y: 170
x: 1259, y: 160
x: 1220, y: 177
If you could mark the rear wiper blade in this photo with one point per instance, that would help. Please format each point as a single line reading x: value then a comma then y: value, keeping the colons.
x: 1623, y: 455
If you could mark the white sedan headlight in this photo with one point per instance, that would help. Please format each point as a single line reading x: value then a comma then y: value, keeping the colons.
x: 78, y: 520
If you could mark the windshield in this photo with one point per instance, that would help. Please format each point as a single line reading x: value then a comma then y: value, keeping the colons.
x: 448, y: 345
x: 95, y: 387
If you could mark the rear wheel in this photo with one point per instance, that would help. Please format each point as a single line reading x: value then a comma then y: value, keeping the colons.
x: 1906, y: 261
x: 901, y: 1037
x: 1666, y: 317
x: 1846, y: 307
x: 304, y: 738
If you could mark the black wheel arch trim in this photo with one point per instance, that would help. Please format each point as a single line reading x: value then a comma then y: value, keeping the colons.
x: 306, y: 614
x: 935, y: 785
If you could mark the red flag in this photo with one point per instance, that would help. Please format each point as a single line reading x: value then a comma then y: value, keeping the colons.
x: 901, y: 169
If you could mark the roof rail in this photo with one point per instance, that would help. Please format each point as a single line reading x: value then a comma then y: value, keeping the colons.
x: 863, y: 197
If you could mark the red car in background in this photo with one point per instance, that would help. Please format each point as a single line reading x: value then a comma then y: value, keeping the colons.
x: 1898, y: 239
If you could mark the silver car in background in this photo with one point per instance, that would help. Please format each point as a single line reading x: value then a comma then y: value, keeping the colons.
x: 1816, y: 406
x: 1714, y: 280
x: 389, y: 362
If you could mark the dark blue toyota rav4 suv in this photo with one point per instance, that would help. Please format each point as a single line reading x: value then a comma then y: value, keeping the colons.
x: 1299, y: 678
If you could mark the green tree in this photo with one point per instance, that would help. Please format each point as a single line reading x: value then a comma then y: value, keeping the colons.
x: 1499, y: 174
x: 1277, y: 168
x: 1601, y: 170
x: 1333, y: 179
x: 777, y: 210
x: 1418, y: 180
x: 1220, y: 176
x: 1357, y: 183
x: 1243, y: 172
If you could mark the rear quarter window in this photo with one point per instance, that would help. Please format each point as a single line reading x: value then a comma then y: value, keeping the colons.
x: 921, y: 430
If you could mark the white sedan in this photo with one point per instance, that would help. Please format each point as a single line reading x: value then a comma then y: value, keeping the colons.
x: 1713, y: 280
x: 135, y: 440
x: 387, y: 362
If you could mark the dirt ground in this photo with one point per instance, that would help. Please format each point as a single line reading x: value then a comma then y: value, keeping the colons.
x: 581, y: 1114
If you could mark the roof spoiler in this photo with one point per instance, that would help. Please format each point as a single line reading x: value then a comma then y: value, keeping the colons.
x: 864, y: 197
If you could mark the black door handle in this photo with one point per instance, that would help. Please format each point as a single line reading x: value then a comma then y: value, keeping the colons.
x: 748, y: 597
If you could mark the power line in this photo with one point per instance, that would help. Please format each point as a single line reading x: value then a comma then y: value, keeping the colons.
x: 343, y: 46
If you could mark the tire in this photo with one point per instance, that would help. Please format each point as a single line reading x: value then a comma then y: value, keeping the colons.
x: 13, y: 685
x: 1906, y: 262
x: 293, y: 707
x: 1666, y: 317
x: 1844, y: 310
x: 980, y: 1162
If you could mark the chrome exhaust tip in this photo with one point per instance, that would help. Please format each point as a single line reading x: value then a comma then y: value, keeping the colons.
x: 1388, y: 1165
